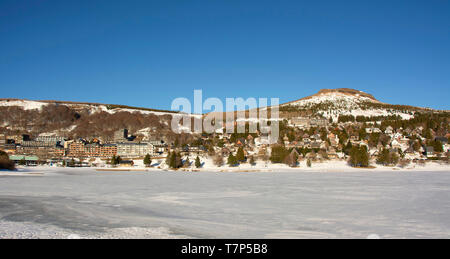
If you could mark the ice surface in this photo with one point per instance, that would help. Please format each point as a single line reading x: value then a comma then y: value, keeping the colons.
x: 83, y: 203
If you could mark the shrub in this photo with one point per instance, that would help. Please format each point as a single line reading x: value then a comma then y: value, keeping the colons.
x: 5, y: 162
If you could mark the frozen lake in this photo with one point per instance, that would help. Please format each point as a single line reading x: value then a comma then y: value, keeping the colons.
x: 85, y: 203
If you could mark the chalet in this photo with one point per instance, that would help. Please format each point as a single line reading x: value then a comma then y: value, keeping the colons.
x: 429, y: 151
x: 354, y: 138
x: 332, y: 153
x: 374, y: 153
x: 159, y: 146
x: 306, y: 141
x: 389, y: 130
x: 295, y: 152
x: 315, y: 145
x: 395, y: 144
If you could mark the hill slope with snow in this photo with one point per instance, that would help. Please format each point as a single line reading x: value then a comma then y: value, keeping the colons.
x: 331, y: 103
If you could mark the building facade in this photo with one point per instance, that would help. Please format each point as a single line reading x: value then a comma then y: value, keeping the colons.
x: 134, y: 150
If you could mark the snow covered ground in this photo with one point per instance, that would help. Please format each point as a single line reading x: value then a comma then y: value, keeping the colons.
x: 85, y: 203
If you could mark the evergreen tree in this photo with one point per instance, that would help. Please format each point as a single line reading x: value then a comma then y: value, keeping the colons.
x: 232, y: 161
x: 385, y: 157
x: 240, y: 157
x: 178, y: 161
x: 363, y: 156
x: 359, y: 157
x: 173, y: 160
x: 147, y: 160
x: 437, y: 145
x: 197, y: 162
x: 428, y: 134
x: 168, y: 158
x: 278, y: 154
x: 362, y: 134
x: 348, y: 148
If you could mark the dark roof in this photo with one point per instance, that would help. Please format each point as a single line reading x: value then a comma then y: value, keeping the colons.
x: 443, y: 140
x: 126, y: 162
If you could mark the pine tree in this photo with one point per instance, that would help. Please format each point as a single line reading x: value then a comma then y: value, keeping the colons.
x: 387, y: 158
x: 147, y: 160
x: 197, y: 162
x: 240, y: 157
x: 178, y: 161
x: 278, y: 154
x: 173, y: 158
x: 348, y: 148
x: 363, y: 157
x: 232, y: 161
x: 359, y: 157
x: 383, y: 157
x: 168, y: 158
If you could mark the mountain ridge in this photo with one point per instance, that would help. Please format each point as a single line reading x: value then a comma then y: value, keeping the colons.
x: 321, y: 96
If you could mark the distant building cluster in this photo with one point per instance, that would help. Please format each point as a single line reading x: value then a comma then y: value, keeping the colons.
x: 57, y: 147
x: 312, y: 138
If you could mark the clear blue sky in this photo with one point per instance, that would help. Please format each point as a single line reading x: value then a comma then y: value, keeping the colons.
x: 146, y: 53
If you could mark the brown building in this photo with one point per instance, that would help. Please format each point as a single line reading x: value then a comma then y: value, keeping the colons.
x: 76, y: 149
x: 2, y: 141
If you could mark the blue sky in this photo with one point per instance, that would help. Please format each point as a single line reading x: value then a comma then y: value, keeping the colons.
x: 146, y: 53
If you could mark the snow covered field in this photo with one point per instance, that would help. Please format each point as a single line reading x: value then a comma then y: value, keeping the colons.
x: 84, y: 203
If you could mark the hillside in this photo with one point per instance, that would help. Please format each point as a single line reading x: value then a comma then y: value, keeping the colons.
x: 84, y: 120
x: 81, y: 120
x: 332, y: 103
